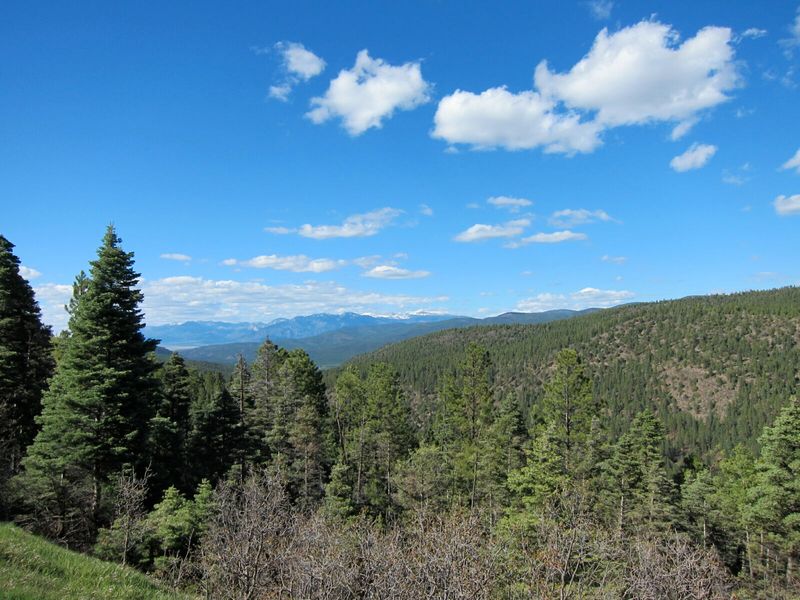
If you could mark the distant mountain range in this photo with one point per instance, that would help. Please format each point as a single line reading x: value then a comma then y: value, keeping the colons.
x: 329, y: 339
x: 192, y: 334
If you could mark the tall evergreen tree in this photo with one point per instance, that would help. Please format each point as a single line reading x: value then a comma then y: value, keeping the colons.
x: 25, y: 363
x: 100, y: 401
x: 776, y: 495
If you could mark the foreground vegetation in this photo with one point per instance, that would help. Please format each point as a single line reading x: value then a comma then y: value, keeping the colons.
x: 274, y: 484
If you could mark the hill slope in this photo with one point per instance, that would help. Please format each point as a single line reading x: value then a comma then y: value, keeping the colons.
x: 715, y: 368
x: 32, y: 568
x: 332, y: 348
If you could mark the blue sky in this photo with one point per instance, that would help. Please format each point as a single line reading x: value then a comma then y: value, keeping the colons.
x: 275, y: 159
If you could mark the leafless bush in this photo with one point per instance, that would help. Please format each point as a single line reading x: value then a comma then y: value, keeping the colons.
x: 672, y: 568
x: 248, y: 541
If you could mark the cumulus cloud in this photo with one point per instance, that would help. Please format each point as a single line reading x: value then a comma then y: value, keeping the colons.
x: 787, y: 205
x: 362, y: 97
x: 555, y: 237
x: 299, y: 64
x: 571, y: 217
x: 586, y: 298
x: 637, y: 75
x: 29, y: 273
x: 392, y: 272
x: 299, y: 263
x: 793, y: 163
x: 641, y: 74
x: 695, y: 157
x: 360, y: 225
x: 300, y: 61
x: 480, y: 231
x: 176, y: 256
x: 499, y: 118
x: 508, y: 203
x: 52, y: 298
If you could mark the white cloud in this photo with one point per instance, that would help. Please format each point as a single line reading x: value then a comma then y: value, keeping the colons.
x: 511, y: 204
x: 480, y: 231
x: 793, y: 163
x: 52, y: 298
x: 299, y: 263
x: 176, y: 256
x: 28, y: 273
x: 682, y: 128
x: 695, y: 157
x: 279, y: 230
x: 641, y: 74
x: 299, y: 61
x: 280, y: 92
x: 601, y: 9
x: 299, y: 64
x: 425, y: 210
x: 586, y: 298
x: 365, y: 262
x: 499, y: 118
x: 787, y: 205
x: 391, y: 272
x: 369, y: 93
x: 754, y: 33
x: 617, y: 260
x: 178, y: 299
x: 555, y: 237
x: 571, y: 217
x: 637, y: 75
x: 362, y: 225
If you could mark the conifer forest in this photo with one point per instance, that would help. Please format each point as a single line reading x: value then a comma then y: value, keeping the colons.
x: 648, y: 451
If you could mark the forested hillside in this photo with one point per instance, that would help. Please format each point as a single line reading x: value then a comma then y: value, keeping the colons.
x: 491, y: 462
x: 715, y: 369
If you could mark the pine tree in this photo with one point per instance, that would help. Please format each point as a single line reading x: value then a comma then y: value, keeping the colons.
x: 241, y: 389
x: 25, y: 363
x: 216, y: 438
x: 170, y: 426
x: 775, y: 496
x: 97, y: 410
x: 262, y: 394
x: 569, y: 406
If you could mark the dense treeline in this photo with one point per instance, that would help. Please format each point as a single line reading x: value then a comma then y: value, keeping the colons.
x: 271, y: 484
x: 715, y: 369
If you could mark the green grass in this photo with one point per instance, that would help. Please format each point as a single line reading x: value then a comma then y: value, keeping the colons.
x: 32, y: 568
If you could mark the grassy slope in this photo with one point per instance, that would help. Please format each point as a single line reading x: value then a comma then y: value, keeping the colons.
x: 31, y: 568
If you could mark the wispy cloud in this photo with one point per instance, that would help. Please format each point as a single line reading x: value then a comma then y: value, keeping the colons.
x: 694, y: 158
x: 587, y: 297
x: 481, y: 231
x: 364, y: 96
x: 510, y: 204
x: 787, y: 205
x: 601, y: 9
x: 298, y: 263
x: 425, y: 210
x: 359, y: 225
x: 793, y: 163
x: 617, y: 260
x: 573, y: 217
x: 392, y: 272
x: 555, y: 237
x: 176, y: 256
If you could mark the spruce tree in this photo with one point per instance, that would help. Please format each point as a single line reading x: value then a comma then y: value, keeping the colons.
x: 25, y: 363
x: 97, y: 409
x: 775, y: 496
